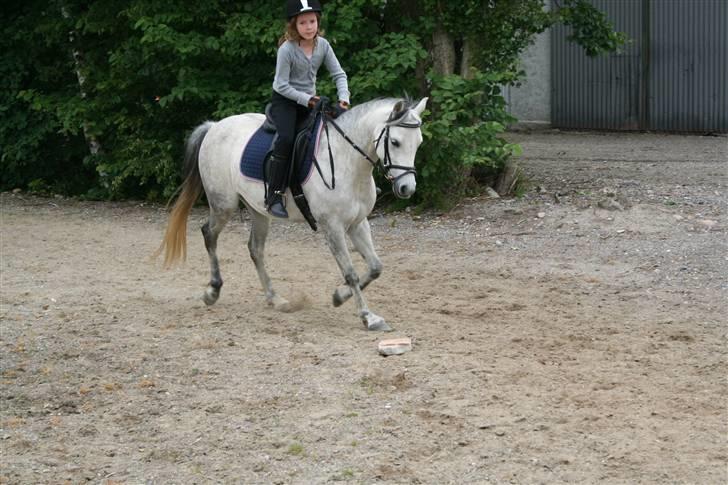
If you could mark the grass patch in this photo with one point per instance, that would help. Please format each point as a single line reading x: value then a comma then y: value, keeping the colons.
x: 295, y: 449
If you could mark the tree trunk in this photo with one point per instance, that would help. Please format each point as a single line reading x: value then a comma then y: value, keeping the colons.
x: 467, y: 59
x: 508, y: 178
x: 443, y: 52
x: 93, y: 143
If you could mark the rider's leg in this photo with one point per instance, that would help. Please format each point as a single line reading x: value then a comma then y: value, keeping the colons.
x: 277, y: 174
x: 284, y: 113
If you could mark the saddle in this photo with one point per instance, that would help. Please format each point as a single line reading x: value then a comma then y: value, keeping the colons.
x: 302, y: 150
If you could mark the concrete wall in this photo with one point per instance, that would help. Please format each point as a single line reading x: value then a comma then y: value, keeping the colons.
x: 531, y: 102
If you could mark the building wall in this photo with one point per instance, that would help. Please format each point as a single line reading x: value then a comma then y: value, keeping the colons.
x: 531, y: 102
x: 671, y: 76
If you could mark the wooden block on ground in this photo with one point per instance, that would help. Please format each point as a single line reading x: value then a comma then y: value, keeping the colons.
x: 395, y: 346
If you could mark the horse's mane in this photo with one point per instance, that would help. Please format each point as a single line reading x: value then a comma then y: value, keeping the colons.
x: 351, y: 117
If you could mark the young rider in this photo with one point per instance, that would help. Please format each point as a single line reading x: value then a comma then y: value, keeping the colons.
x: 301, y: 52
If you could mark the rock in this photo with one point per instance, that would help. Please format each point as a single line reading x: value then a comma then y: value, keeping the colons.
x: 541, y: 215
x: 88, y: 430
x: 610, y: 205
x: 395, y: 346
x: 17, y: 191
x: 707, y: 223
x: 490, y: 192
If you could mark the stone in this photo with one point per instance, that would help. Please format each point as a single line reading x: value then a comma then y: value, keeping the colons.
x: 610, y: 205
x: 395, y: 346
x: 490, y: 192
x: 707, y: 223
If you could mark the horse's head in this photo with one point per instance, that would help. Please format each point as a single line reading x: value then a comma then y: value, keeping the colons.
x: 397, y: 141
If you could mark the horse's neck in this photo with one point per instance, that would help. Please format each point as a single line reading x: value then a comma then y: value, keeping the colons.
x: 360, y: 132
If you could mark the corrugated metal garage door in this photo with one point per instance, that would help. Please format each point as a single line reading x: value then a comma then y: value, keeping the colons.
x: 673, y: 76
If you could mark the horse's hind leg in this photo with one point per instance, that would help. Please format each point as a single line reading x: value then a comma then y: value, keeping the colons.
x: 210, y: 231
x: 361, y: 237
x: 256, y: 246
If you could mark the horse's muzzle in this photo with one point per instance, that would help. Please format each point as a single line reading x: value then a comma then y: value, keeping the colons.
x: 405, y: 187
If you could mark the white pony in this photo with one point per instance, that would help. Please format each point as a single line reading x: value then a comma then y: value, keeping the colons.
x: 387, y: 130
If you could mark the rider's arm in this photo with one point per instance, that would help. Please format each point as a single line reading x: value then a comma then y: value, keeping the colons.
x: 281, y: 82
x: 337, y: 74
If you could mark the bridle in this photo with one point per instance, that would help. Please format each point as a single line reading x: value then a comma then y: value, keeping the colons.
x: 384, y: 166
x: 387, y: 164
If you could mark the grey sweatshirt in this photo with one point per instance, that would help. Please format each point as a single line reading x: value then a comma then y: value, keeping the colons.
x: 296, y: 74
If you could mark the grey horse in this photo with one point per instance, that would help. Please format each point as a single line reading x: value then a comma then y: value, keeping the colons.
x: 384, y: 133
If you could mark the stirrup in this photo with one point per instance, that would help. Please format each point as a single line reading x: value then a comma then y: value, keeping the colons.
x: 276, y: 207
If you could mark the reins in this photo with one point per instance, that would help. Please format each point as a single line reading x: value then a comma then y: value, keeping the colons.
x: 384, y: 166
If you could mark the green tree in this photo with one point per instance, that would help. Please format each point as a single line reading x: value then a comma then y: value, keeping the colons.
x: 99, y: 95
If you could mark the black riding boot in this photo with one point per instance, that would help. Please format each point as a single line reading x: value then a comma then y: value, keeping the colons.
x: 277, y: 174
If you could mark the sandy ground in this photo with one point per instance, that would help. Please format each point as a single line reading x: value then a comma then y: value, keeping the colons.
x: 574, y: 335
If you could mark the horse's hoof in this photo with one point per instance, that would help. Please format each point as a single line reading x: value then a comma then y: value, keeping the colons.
x: 338, y: 300
x: 210, y: 296
x: 376, y: 323
x: 280, y: 304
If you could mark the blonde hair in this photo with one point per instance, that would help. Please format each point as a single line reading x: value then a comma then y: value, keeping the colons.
x: 291, y: 32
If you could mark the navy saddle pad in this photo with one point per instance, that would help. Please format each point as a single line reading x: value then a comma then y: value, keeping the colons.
x: 251, y: 163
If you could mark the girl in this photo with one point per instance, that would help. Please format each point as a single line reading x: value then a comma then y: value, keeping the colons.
x: 301, y: 52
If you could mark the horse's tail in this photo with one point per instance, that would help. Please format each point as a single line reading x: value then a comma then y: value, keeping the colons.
x: 174, y: 243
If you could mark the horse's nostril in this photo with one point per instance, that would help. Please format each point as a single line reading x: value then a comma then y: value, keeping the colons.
x: 404, y: 189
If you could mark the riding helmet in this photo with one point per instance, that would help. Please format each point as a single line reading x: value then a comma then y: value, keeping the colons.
x: 296, y: 7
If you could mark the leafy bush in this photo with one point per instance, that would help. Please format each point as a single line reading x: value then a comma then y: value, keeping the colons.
x: 462, y: 134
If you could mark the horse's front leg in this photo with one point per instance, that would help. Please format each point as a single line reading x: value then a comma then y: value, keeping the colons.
x: 337, y: 243
x: 361, y: 237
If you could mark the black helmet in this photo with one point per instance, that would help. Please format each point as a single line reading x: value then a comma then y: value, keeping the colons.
x: 296, y: 7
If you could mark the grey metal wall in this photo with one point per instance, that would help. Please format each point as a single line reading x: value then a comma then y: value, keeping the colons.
x: 601, y: 92
x: 673, y: 76
x: 688, y: 87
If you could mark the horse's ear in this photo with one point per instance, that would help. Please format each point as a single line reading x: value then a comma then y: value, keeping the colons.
x: 396, y: 111
x: 420, y: 106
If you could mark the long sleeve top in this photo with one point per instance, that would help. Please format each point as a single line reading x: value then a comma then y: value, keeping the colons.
x: 295, y: 76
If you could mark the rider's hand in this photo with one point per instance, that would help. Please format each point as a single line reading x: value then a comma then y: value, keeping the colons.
x: 312, y: 102
x: 338, y: 109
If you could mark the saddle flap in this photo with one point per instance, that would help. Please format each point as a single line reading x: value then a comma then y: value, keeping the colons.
x: 268, y: 125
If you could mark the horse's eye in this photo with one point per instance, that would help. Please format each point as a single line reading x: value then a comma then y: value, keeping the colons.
x: 395, y: 143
